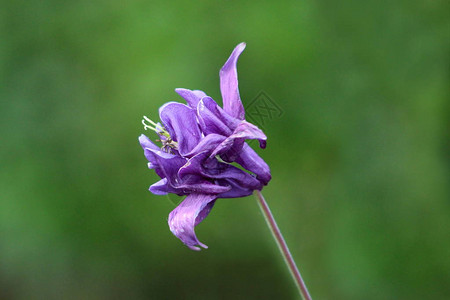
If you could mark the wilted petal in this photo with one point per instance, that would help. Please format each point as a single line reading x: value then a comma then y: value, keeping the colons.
x: 181, y: 122
x: 191, y: 97
x: 189, y: 214
x: 213, y: 119
x: 252, y: 162
x: 229, y: 85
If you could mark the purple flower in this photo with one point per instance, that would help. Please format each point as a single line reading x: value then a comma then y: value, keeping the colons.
x: 199, y: 142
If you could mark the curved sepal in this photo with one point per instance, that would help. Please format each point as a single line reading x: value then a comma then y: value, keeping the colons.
x: 229, y: 85
x: 189, y: 214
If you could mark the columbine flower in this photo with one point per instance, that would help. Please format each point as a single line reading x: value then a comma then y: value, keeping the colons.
x: 199, y: 141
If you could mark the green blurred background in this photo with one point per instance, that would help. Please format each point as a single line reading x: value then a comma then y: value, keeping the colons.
x: 359, y: 158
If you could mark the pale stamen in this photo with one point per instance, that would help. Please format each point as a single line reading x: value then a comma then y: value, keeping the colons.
x: 146, y: 126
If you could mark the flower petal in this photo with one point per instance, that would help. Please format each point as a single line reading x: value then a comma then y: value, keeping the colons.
x: 217, y: 170
x: 147, y: 143
x: 236, y: 191
x: 166, y: 164
x: 252, y: 162
x: 162, y: 187
x: 231, y: 147
x: 195, y: 184
x: 213, y: 119
x: 229, y: 85
x: 191, y: 97
x: 208, y: 143
x: 188, y: 214
x: 181, y: 122
x: 149, y: 151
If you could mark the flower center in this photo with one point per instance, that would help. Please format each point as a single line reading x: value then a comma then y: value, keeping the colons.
x: 168, y: 145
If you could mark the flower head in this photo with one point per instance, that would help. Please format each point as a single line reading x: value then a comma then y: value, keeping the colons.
x: 199, y: 141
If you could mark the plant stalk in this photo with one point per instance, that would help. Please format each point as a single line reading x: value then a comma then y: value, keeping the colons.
x: 282, y: 246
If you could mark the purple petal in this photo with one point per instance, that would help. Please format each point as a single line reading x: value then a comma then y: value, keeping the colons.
x: 166, y: 164
x: 236, y: 191
x: 213, y: 119
x: 241, y: 178
x: 196, y: 184
x: 181, y: 122
x: 188, y: 214
x: 191, y: 97
x: 162, y: 187
x: 216, y: 170
x: 251, y: 161
x: 229, y: 85
x: 232, y: 146
x: 147, y: 143
x: 194, y: 165
x: 149, y: 149
x: 208, y: 143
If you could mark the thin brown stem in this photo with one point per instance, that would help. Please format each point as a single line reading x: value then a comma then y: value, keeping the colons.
x: 283, y: 246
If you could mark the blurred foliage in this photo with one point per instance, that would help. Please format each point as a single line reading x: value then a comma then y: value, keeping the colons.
x: 360, y: 157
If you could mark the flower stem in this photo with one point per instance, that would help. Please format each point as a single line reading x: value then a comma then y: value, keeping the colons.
x: 282, y: 246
